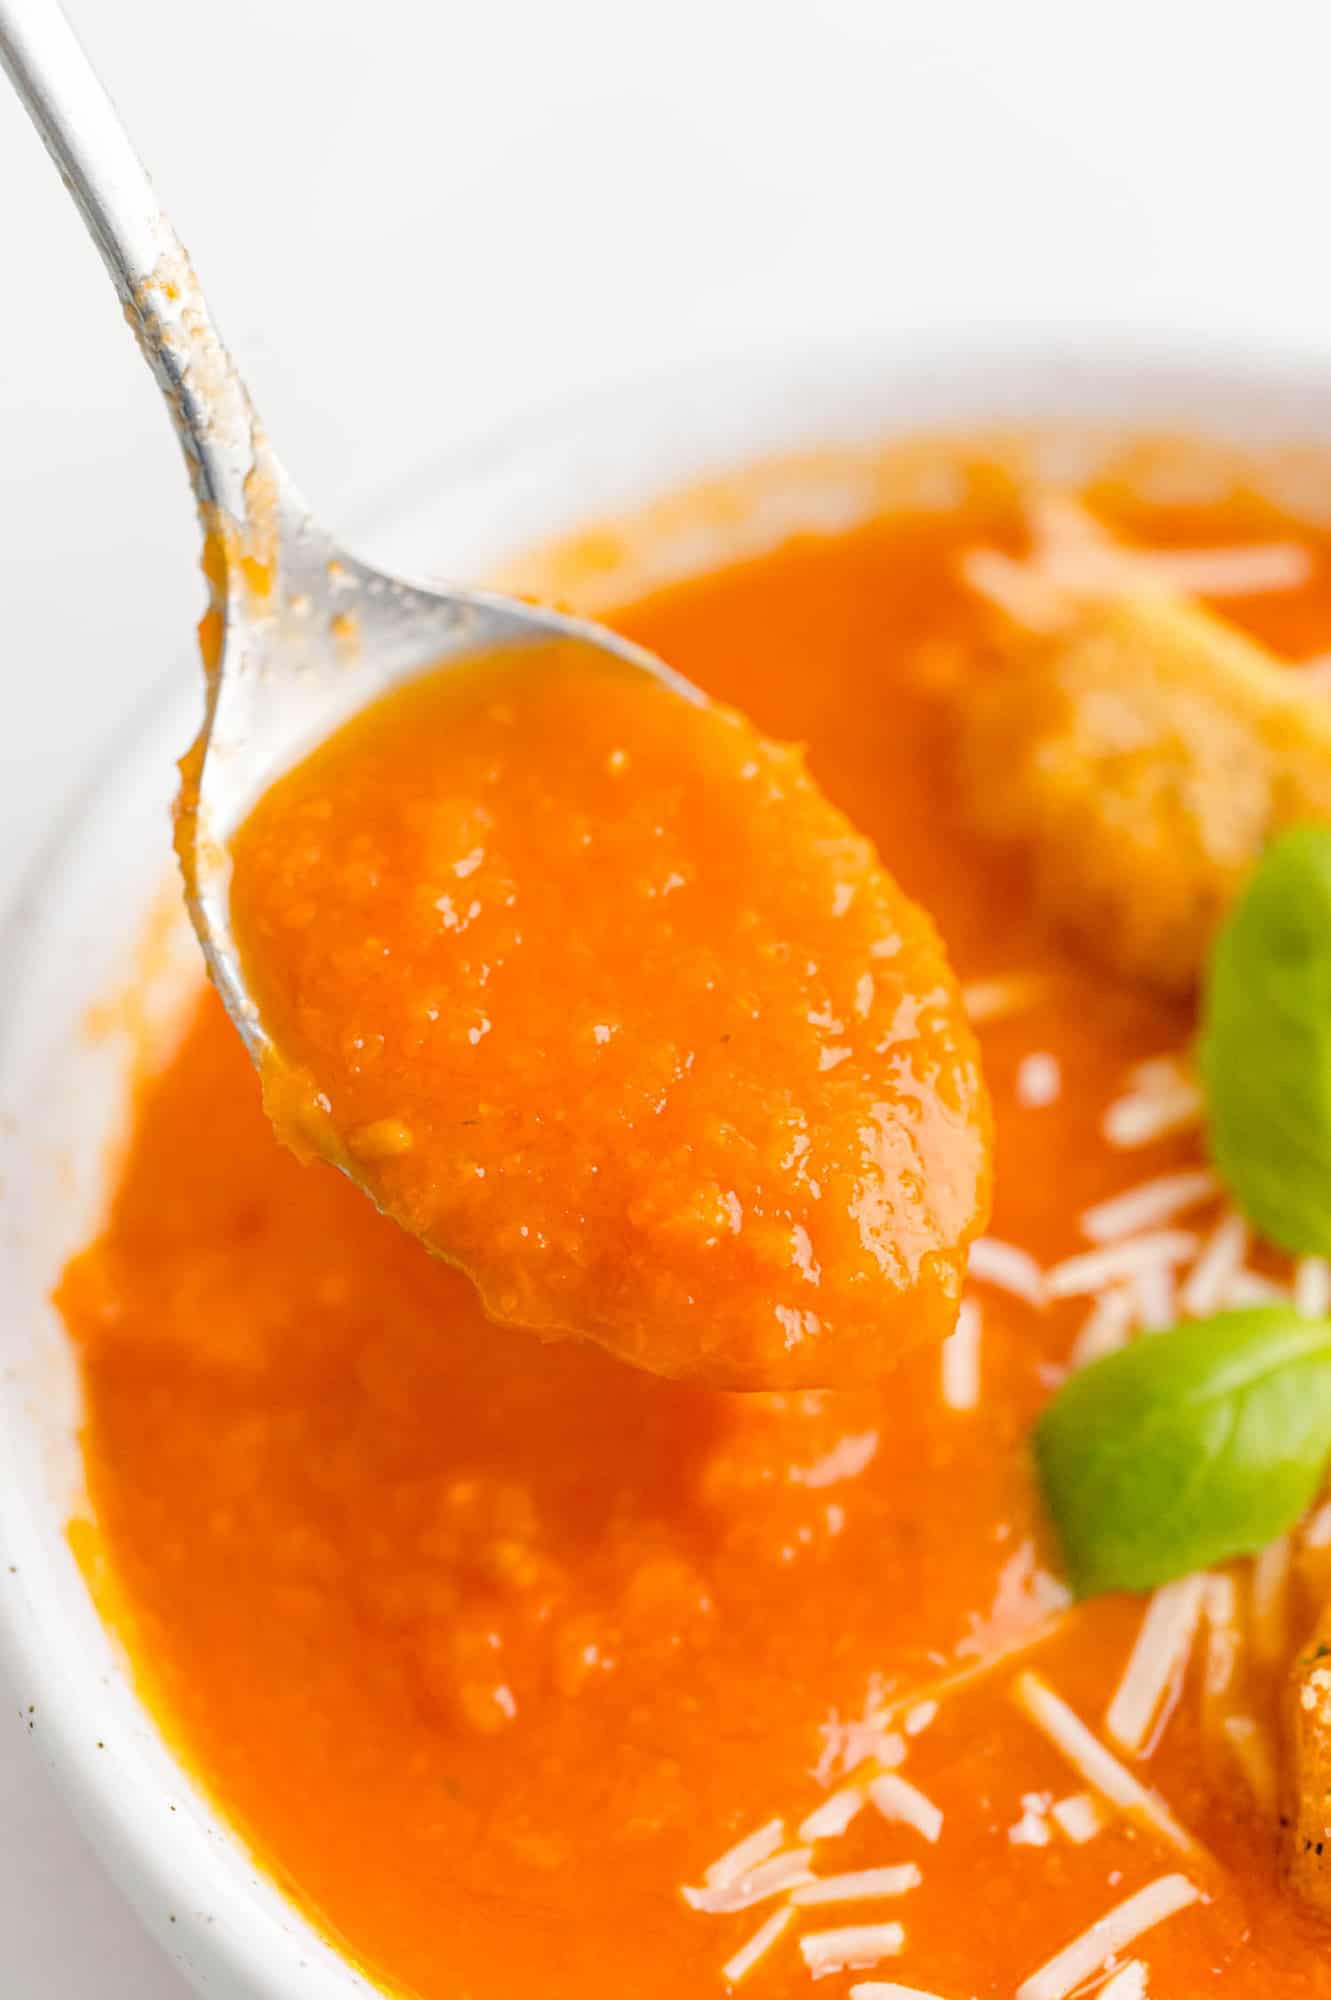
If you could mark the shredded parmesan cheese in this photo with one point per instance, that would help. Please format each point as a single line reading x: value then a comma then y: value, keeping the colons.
x: 1143, y: 1117
x: 1252, y: 1288
x: 999, y: 999
x: 1105, y: 1328
x: 1220, y: 1259
x: 1128, y: 1983
x: 1032, y: 1829
x: 1149, y: 1205
x: 1312, y: 1287
x: 745, y: 1855
x: 836, y: 1813
x: 1158, y: 1661
x: 888, y: 1989
x: 1246, y: 571
x: 897, y: 1799
x: 1158, y: 1076
x: 758, y: 1946
x: 1078, y: 1817
x: 1008, y: 1269
x: 1224, y: 1646
x: 1268, y: 1608
x: 1091, y: 1270
x: 1107, y: 1936
x: 961, y: 1359
x: 1098, y: 1766
x: 861, y: 1885
x: 1039, y: 1080
x: 847, y: 1950
x: 1017, y: 589
x: 1155, y: 1296
x: 770, y: 1878
x: 916, y: 1720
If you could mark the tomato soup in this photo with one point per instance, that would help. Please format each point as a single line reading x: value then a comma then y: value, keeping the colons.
x: 524, y: 1671
x: 601, y: 998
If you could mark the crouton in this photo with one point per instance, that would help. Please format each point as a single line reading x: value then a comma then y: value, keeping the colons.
x: 1143, y: 751
x: 1306, y: 1807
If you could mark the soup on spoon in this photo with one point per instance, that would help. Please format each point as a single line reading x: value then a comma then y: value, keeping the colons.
x: 593, y: 990
x: 581, y: 979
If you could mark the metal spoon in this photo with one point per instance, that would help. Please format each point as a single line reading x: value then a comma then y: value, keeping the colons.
x: 302, y: 634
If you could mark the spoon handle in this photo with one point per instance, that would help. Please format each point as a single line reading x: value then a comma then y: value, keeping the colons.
x: 209, y: 404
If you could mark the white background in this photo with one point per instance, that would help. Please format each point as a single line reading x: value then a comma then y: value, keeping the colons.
x: 419, y: 221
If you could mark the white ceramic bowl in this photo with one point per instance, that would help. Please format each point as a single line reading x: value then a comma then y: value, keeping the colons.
x: 73, y: 941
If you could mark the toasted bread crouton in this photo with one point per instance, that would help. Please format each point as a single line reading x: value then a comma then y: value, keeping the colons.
x: 1306, y: 1807
x: 1144, y: 752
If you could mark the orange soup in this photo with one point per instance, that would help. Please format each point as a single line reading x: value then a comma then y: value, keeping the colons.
x: 601, y: 998
x: 526, y: 1672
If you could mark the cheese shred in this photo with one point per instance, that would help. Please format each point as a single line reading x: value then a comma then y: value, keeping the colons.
x: 1157, y: 1663
x: 737, y: 1968
x: 1099, y: 1767
x: 1106, y: 1937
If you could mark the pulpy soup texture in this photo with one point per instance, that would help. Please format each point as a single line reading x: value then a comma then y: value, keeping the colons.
x: 525, y: 1671
x: 596, y: 992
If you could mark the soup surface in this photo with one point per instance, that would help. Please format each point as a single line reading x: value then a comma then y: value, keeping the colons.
x: 492, y: 1649
x: 599, y: 996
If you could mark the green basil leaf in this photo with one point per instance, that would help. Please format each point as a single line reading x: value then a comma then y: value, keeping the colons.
x: 1187, y: 1448
x: 1265, y: 1048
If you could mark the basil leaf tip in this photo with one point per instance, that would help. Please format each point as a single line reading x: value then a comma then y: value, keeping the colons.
x: 1186, y: 1448
x: 1264, y: 1055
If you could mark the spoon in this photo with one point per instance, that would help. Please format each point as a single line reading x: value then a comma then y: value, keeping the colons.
x: 301, y: 634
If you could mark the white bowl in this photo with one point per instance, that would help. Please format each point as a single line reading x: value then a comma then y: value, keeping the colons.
x: 76, y: 934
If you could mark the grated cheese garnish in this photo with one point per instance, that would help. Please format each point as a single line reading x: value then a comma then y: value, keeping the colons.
x: 1128, y: 1983
x: 1221, y: 1256
x: 960, y: 1359
x: 858, y: 1885
x: 1268, y: 1605
x: 916, y: 1720
x: 888, y: 1989
x: 1097, y: 1765
x: 1158, y: 1076
x: 737, y: 1968
x: 853, y: 1947
x: 850, y: 1743
x: 1248, y: 570
x: 1158, y: 1661
x: 1039, y: 1080
x: 1106, y: 1327
x: 1032, y: 1829
x: 1253, y: 1288
x: 1312, y: 1287
x: 1149, y: 1205
x: 1155, y: 1298
x: 745, y: 1854
x: 898, y: 1800
x: 1107, y: 1936
x: 1079, y: 1817
x: 1224, y: 1645
x: 1017, y: 588
x: 1145, y: 1116
x: 789, y: 1870
x: 836, y: 1813
x: 1008, y: 1269
x: 999, y: 999
x: 1091, y: 1270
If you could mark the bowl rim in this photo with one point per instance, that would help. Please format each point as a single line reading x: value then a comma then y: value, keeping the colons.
x: 1080, y: 360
